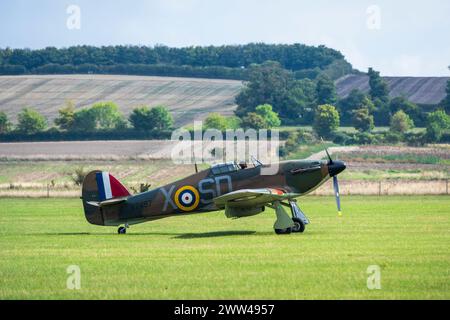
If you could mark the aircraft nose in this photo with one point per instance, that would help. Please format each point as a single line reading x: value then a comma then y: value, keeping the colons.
x: 336, y: 167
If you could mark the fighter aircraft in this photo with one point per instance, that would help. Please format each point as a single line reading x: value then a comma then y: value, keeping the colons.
x: 241, y: 189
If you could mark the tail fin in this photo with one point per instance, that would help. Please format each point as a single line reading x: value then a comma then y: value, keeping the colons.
x: 109, y: 187
x: 100, y: 186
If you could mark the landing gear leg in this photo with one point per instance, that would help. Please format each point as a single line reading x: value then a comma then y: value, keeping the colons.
x: 283, y: 224
x: 123, y: 230
x: 299, y: 218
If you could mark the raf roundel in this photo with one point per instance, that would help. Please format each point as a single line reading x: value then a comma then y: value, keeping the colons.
x: 187, y: 198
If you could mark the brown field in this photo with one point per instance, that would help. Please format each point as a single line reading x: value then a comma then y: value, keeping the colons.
x: 421, y: 90
x: 87, y: 150
x: 186, y: 98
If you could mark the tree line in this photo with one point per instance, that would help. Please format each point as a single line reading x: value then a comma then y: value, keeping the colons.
x: 227, y: 61
x: 104, y: 120
x: 99, y: 120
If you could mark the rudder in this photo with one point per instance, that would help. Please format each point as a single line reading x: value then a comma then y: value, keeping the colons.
x: 100, y: 186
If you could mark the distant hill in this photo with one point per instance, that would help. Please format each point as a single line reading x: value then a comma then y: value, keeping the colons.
x: 420, y: 90
x: 187, y: 99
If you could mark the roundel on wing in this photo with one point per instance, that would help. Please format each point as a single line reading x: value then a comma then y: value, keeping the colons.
x: 187, y: 198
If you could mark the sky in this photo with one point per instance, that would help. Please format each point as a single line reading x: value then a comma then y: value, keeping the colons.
x: 398, y: 38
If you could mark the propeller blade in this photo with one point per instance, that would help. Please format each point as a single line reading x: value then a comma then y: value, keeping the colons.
x: 337, y: 195
x: 330, y: 161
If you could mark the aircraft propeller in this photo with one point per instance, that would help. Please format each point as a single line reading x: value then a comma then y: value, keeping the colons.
x: 334, y: 168
x: 337, y: 195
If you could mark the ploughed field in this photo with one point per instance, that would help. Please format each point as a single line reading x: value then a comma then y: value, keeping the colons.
x: 208, y: 256
x: 186, y: 98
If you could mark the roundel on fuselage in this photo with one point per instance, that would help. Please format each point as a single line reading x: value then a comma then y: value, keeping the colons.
x: 187, y: 198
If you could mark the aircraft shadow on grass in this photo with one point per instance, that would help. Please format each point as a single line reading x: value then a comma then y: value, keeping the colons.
x: 174, y: 235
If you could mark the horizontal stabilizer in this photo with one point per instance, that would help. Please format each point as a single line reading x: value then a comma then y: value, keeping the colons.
x: 106, y: 203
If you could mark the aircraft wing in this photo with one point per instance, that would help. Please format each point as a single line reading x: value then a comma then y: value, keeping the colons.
x: 245, y: 198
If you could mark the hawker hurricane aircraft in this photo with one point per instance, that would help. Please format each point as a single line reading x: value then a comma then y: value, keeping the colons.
x: 242, y: 190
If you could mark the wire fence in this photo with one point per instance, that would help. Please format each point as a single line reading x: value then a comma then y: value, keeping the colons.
x: 388, y: 187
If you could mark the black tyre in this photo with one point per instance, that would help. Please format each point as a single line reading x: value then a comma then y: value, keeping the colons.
x: 299, y: 226
x: 283, y: 231
x: 122, y: 230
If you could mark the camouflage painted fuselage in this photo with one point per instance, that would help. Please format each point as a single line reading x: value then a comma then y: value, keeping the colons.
x: 195, y: 193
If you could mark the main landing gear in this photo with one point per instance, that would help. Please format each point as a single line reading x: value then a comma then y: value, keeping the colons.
x: 123, y: 230
x: 299, y: 218
x: 284, y: 224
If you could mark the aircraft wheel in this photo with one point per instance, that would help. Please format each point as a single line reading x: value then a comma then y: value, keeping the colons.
x: 122, y: 230
x: 283, y: 231
x: 299, y: 226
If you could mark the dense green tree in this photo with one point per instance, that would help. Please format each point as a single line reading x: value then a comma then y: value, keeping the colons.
x: 379, y: 94
x: 378, y: 86
x: 254, y: 121
x: 349, y: 104
x: 362, y: 120
x: 326, y: 121
x: 161, y: 117
x: 325, y: 90
x: 401, y: 122
x: 382, y: 114
x: 356, y: 100
x: 30, y: 121
x: 66, y: 116
x: 84, y: 120
x: 437, y: 123
x: 5, y: 125
x: 270, y: 117
x: 222, y: 123
x: 269, y: 83
x: 140, y: 119
x: 301, y: 102
x: 411, y: 109
x: 107, y: 115
x: 292, y: 57
x: 215, y: 121
x: 146, y: 119
x: 233, y: 122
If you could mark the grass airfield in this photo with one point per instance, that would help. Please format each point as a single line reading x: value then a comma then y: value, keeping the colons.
x: 207, y: 256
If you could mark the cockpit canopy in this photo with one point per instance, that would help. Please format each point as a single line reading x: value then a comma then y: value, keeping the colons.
x: 227, y: 167
x: 224, y: 168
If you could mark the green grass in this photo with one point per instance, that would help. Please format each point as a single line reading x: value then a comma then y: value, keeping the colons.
x: 208, y: 256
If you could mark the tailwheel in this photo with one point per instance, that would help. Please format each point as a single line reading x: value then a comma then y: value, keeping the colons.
x: 283, y: 231
x: 122, y: 230
x: 299, y: 225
